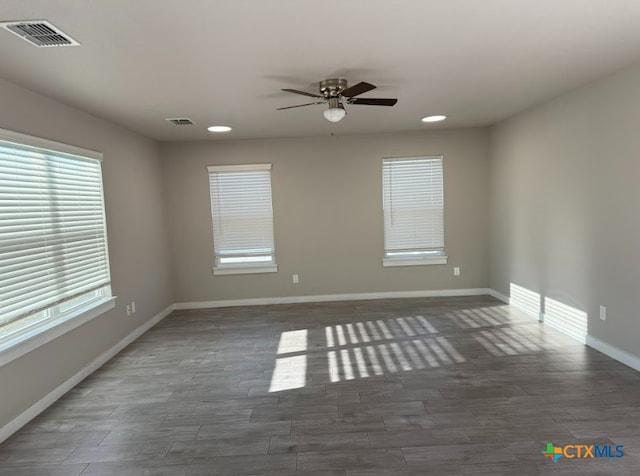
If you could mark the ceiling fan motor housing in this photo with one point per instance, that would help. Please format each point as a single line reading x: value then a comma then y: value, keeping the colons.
x: 334, y: 103
x: 332, y: 87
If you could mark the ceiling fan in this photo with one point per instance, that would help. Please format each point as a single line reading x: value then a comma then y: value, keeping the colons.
x: 335, y: 93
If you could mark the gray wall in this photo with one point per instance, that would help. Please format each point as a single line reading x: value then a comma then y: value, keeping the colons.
x: 565, y: 187
x: 327, y: 203
x: 138, y: 242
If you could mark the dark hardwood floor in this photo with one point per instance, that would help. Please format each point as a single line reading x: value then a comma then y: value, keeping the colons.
x: 369, y: 388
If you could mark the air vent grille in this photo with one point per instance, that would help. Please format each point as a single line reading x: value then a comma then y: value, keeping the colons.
x: 40, y: 33
x: 181, y: 121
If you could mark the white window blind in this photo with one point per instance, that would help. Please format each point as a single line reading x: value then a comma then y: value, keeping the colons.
x: 242, y: 215
x: 413, y: 207
x: 53, y: 242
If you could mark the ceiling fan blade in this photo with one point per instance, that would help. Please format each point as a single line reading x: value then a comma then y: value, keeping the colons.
x: 304, y: 93
x: 356, y: 89
x: 300, y: 105
x: 374, y: 101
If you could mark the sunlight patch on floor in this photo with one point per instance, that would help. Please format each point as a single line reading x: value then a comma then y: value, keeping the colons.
x: 392, y: 356
x: 289, y: 373
x: 369, y: 348
x: 293, y: 341
x: 501, y: 342
x: 363, y: 349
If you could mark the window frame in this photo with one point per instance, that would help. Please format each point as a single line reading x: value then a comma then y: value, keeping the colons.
x: 417, y: 257
x: 43, y: 326
x: 257, y: 266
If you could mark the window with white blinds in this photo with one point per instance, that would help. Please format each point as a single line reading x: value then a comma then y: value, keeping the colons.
x: 242, y: 215
x: 53, y: 241
x: 413, y: 207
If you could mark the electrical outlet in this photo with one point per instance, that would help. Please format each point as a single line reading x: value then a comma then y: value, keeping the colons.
x: 133, y: 307
x: 456, y: 271
x: 296, y: 280
x: 128, y: 310
x: 603, y: 313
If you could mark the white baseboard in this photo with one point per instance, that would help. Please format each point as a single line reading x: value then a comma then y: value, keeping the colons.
x: 620, y: 355
x: 331, y: 297
x: 34, y: 410
x: 500, y: 296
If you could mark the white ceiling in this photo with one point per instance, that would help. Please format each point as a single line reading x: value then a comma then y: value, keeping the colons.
x: 224, y: 61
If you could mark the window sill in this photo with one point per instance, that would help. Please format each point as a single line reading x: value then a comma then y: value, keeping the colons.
x: 255, y: 269
x: 391, y: 262
x: 25, y: 343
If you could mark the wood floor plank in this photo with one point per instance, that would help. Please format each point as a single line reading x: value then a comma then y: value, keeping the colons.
x: 71, y: 439
x: 219, y: 447
x: 300, y: 443
x: 336, y: 426
x: 44, y: 470
x: 244, y: 430
x: 244, y: 465
x: 135, y: 468
x: 130, y: 452
x: 354, y: 459
x: 408, y: 438
x: 142, y: 434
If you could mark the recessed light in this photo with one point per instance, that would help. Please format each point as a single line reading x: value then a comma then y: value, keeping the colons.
x: 219, y: 129
x: 436, y: 118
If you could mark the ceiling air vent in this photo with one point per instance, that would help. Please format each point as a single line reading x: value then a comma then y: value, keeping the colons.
x: 181, y: 121
x: 40, y: 33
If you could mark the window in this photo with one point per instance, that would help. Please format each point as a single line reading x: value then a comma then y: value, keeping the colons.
x: 413, y: 207
x: 242, y: 219
x: 54, y: 261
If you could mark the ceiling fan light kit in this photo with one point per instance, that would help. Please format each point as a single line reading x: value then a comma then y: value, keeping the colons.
x: 334, y: 91
x: 335, y: 112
